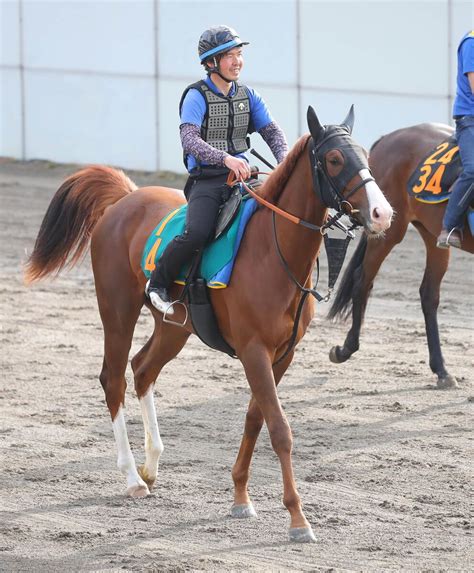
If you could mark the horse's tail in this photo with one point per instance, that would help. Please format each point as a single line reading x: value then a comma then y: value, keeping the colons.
x: 342, y: 305
x: 71, y: 217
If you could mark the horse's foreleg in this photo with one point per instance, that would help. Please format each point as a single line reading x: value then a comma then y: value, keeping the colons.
x: 258, y: 368
x: 162, y: 347
x: 376, y: 252
x: 243, y: 507
x: 437, y: 261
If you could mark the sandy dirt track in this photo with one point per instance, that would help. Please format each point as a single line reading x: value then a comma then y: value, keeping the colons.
x: 383, y: 459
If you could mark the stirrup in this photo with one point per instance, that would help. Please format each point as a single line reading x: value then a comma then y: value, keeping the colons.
x: 446, y: 243
x: 170, y: 320
x: 457, y: 238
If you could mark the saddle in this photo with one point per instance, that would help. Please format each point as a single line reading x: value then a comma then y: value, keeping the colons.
x: 231, y: 205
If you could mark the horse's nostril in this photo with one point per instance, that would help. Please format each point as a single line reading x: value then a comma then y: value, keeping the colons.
x: 376, y: 214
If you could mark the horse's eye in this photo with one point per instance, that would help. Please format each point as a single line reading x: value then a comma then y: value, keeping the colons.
x: 334, y: 161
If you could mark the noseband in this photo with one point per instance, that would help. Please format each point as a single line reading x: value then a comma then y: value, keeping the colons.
x: 330, y: 189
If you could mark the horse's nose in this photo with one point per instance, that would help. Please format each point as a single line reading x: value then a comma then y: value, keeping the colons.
x: 382, y: 217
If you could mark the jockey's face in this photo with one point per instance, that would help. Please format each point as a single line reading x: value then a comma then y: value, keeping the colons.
x: 231, y: 64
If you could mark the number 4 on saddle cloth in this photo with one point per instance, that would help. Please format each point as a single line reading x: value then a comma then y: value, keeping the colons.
x: 218, y: 257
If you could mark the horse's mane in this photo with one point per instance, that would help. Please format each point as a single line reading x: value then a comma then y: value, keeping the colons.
x: 273, y: 186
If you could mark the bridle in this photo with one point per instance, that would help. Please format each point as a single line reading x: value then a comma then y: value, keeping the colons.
x: 327, y: 187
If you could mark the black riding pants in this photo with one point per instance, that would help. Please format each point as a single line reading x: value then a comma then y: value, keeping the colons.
x: 205, y: 197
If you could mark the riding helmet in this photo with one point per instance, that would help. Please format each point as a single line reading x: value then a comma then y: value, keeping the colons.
x: 217, y: 40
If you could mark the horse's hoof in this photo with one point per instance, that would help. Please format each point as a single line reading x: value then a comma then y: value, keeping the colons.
x: 149, y: 480
x: 448, y: 381
x: 243, y: 511
x: 336, y: 356
x: 138, y: 490
x: 302, y: 535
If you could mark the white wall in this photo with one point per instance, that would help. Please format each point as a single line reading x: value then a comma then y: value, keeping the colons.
x: 100, y: 81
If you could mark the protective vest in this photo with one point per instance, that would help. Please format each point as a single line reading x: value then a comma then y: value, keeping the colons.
x: 227, y: 121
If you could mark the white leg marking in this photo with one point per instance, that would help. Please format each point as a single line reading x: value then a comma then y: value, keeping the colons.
x: 125, y: 460
x: 377, y: 204
x: 153, y: 444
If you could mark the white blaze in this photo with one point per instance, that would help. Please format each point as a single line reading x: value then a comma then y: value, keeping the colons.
x: 380, y: 211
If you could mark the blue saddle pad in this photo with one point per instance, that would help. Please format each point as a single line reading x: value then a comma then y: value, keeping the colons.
x: 218, y: 257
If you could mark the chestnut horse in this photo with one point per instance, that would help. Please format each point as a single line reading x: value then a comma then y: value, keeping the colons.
x: 393, y: 158
x: 255, y: 312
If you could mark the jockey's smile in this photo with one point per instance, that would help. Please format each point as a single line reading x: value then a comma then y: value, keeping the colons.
x: 231, y: 64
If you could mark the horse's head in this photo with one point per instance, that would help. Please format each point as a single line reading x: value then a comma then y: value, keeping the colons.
x: 342, y: 176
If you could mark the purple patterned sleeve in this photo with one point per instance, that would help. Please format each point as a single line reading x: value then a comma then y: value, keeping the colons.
x: 274, y: 137
x: 194, y: 144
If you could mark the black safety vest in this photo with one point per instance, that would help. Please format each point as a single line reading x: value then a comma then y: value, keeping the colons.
x: 227, y: 121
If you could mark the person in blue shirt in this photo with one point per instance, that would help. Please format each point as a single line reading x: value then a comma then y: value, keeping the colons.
x: 217, y: 114
x: 462, y: 193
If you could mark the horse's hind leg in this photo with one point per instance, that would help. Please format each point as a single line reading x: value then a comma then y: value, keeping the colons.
x: 119, y: 309
x: 166, y: 342
x: 437, y: 261
x: 243, y: 507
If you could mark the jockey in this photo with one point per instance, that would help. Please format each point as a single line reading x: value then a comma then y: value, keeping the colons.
x: 462, y: 192
x: 216, y: 114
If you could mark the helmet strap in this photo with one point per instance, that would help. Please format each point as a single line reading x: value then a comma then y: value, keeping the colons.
x: 215, y: 70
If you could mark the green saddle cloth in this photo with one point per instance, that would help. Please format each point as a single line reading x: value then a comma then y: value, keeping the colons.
x: 218, y: 257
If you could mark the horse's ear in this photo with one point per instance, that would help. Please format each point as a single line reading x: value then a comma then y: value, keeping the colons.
x: 349, y: 121
x: 315, y: 128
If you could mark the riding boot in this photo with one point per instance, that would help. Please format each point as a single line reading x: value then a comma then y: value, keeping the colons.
x: 176, y: 254
x: 159, y: 298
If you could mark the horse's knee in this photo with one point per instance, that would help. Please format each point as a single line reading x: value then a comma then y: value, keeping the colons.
x: 253, y: 423
x: 281, y: 438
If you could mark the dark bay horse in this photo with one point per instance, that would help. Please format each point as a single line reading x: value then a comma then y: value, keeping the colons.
x: 255, y: 313
x: 393, y: 158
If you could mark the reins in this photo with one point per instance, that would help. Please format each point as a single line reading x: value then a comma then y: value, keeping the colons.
x: 293, y: 218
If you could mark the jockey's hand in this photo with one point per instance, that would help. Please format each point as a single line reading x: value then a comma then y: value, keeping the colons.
x: 239, y: 167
